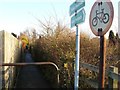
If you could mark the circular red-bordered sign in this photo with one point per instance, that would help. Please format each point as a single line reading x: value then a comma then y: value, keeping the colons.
x: 101, y: 16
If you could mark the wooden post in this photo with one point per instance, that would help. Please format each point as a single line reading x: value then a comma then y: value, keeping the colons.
x: 119, y: 63
x: 113, y: 84
x: 119, y: 72
x: 102, y: 59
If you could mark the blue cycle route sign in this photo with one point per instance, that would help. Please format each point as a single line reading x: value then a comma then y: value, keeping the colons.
x: 76, y: 6
x: 77, y: 14
x: 79, y: 18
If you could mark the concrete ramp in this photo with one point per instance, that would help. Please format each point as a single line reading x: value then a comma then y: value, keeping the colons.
x: 30, y: 76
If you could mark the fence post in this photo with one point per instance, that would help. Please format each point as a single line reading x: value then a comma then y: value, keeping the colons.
x: 58, y: 78
x: 111, y: 82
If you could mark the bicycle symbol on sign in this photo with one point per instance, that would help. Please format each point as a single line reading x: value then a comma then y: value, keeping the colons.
x: 100, y: 16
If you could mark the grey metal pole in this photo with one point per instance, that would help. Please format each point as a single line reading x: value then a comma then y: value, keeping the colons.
x: 76, y: 82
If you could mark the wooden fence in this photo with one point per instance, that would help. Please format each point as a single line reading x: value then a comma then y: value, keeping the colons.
x: 111, y: 73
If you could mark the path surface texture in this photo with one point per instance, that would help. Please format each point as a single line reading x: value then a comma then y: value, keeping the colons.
x: 30, y: 76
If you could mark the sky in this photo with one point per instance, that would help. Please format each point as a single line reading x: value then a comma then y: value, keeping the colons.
x: 18, y: 15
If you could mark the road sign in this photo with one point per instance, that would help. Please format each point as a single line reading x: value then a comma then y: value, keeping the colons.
x: 101, y: 17
x: 79, y: 18
x: 76, y: 6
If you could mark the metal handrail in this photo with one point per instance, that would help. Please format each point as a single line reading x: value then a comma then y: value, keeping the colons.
x: 35, y: 63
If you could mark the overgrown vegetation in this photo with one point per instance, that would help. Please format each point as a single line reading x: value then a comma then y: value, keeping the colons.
x: 60, y: 49
x: 58, y: 45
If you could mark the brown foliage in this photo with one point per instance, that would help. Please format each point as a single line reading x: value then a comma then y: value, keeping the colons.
x: 59, y: 47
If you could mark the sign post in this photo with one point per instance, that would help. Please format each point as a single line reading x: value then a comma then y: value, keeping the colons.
x: 75, y: 20
x: 101, y: 17
x: 102, y: 60
x: 76, y: 81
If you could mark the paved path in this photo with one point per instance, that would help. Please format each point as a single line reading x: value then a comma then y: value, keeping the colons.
x: 30, y: 77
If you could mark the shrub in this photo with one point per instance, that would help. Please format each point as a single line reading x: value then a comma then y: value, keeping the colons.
x: 59, y: 47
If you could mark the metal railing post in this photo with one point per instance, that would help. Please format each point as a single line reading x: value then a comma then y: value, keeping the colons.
x: 36, y: 63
